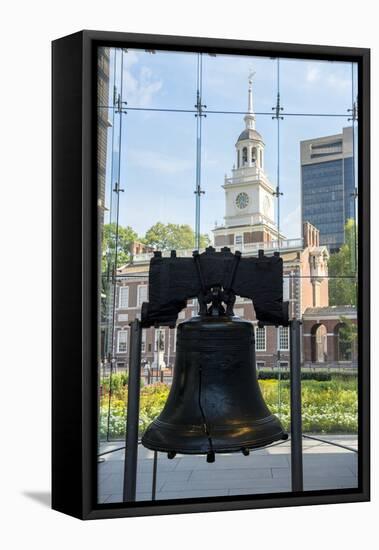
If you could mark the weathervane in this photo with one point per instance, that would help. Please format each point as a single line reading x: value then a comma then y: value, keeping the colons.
x: 251, y: 75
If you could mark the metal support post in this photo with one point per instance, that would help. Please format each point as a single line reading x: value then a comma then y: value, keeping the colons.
x: 154, y: 484
x: 132, y: 419
x: 296, y: 421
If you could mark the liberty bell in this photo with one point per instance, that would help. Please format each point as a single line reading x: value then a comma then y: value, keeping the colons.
x: 215, y: 404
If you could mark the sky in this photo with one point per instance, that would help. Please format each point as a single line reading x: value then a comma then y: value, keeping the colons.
x: 157, y: 149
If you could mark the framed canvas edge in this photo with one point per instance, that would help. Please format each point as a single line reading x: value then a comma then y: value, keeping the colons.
x: 84, y: 498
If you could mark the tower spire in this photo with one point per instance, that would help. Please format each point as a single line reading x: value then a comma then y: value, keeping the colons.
x: 250, y: 115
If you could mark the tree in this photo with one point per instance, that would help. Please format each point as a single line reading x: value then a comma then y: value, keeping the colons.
x: 347, y: 339
x: 172, y: 236
x: 341, y: 268
x: 124, y: 236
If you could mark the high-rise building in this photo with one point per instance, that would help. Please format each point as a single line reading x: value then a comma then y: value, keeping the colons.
x: 327, y: 184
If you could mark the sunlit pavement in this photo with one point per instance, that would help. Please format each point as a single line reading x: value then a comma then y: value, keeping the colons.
x: 264, y: 471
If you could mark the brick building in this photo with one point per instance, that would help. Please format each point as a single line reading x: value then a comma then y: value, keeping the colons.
x: 248, y: 227
x: 304, y: 285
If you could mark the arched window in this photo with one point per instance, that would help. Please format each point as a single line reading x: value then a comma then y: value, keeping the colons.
x: 253, y: 155
x: 238, y: 158
x: 244, y: 155
x: 319, y: 344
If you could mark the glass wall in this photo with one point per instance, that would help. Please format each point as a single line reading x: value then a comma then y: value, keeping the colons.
x: 251, y: 153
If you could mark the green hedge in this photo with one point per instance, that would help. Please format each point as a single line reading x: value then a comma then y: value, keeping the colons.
x: 328, y: 406
x: 319, y: 376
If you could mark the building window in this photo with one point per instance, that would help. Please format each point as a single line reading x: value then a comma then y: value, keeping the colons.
x: 253, y: 155
x: 122, y: 341
x: 283, y: 364
x: 123, y: 297
x: 260, y: 338
x: 142, y: 294
x: 238, y: 158
x: 260, y: 364
x: 283, y: 339
x: 238, y: 239
x: 244, y: 156
x: 123, y: 317
x: 286, y: 288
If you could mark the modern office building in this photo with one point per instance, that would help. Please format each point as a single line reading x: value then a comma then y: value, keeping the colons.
x: 328, y: 187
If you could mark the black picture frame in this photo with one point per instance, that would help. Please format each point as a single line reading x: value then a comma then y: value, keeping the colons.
x: 75, y: 255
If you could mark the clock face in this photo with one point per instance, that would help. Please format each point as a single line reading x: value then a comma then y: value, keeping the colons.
x: 242, y: 200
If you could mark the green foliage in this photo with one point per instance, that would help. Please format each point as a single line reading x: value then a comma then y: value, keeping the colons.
x: 274, y: 375
x: 347, y: 339
x: 329, y: 406
x: 172, y: 236
x: 125, y: 236
x: 341, y: 265
x: 119, y: 384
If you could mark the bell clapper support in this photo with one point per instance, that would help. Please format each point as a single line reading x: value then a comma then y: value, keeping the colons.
x: 211, y: 457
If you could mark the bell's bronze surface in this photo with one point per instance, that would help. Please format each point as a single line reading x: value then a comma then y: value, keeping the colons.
x: 215, y: 404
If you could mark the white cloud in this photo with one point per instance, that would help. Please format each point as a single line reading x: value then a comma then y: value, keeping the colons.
x: 314, y: 75
x: 159, y: 162
x: 140, y: 84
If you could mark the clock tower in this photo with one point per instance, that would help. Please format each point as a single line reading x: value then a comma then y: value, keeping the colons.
x: 249, y: 195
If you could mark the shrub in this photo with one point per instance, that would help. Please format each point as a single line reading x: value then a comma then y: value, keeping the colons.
x: 328, y: 406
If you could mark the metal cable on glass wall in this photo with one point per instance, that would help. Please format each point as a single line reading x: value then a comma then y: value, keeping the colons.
x: 277, y: 193
x: 199, y: 116
x: 354, y: 195
x: 278, y: 109
x: 108, y: 252
x: 116, y: 190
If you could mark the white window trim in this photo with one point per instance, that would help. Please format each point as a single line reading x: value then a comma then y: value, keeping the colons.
x: 288, y: 338
x: 143, y: 341
x: 139, y: 302
x: 120, y: 293
x: 123, y: 331
x: 286, y: 288
x: 265, y: 338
